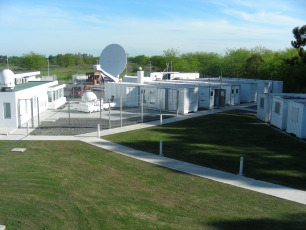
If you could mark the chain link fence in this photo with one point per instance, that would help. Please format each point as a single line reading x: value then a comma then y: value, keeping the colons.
x: 79, y: 116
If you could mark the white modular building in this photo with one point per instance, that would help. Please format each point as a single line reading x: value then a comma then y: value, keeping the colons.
x: 21, y: 102
x: 280, y: 110
x: 173, y: 98
x: 296, y: 120
x: 264, y: 104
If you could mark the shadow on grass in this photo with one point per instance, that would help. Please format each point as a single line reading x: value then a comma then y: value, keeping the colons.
x: 218, y: 141
x: 296, y: 221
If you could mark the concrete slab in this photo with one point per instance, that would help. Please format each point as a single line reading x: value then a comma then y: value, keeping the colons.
x: 21, y: 150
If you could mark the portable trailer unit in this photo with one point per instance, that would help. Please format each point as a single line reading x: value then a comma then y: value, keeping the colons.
x: 264, y: 104
x: 296, y: 120
x: 153, y: 97
x: 178, y: 96
x: 248, y: 91
x: 280, y: 110
x: 128, y: 91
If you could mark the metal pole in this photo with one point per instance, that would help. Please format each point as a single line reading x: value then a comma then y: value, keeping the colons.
x: 98, y: 131
x: 178, y: 98
x: 32, y: 112
x: 241, y: 167
x: 100, y: 110
x: 141, y: 107
x: 161, y: 148
x: 27, y: 129
x: 48, y: 66
x: 161, y: 119
x: 7, y: 63
x: 38, y: 112
x: 121, y: 110
x: 109, y: 115
x: 69, y: 112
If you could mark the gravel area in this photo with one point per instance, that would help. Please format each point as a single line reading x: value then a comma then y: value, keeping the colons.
x: 76, y: 126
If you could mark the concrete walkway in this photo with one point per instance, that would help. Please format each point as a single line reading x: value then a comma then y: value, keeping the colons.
x: 295, y: 195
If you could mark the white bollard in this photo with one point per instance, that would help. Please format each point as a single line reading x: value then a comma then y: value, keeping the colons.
x: 98, y: 131
x: 161, y: 148
x: 27, y: 129
x: 241, y: 167
x: 161, y: 119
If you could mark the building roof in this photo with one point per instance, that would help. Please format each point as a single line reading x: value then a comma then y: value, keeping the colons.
x: 27, y: 85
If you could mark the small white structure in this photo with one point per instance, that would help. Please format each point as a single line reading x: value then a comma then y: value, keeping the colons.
x: 158, y: 76
x: 90, y: 103
x: 296, y: 121
x: 280, y: 110
x: 21, y: 102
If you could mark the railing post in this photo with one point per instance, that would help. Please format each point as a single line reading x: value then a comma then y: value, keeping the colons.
x: 241, y: 167
x: 161, y: 148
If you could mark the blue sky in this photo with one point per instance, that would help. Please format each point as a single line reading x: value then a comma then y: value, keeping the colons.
x: 146, y: 26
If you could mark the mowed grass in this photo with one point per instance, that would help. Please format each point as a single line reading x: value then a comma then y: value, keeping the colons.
x: 72, y: 185
x: 219, y: 140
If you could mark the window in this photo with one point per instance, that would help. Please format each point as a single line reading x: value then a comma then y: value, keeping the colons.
x: 237, y: 90
x: 262, y: 103
x: 152, y: 97
x: 7, y: 110
x: 212, y: 93
x: 277, y: 107
x: 232, y: 91
x: 49, y: 96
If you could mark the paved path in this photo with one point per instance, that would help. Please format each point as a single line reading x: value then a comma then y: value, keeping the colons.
x: 216, y: 175
x: 295, y: 195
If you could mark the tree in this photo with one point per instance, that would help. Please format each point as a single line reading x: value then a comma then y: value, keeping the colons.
x: 252, y: 65
x: 300, y: 41
x: 33, y: 61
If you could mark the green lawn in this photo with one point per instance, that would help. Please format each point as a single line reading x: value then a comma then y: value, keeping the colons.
x: 219, y: 140
x: 72, y: 185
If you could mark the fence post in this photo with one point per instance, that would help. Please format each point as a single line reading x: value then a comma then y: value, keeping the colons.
x: 121, y: 110
x: 141, y: 107
x: 37, y: 106
x: 27, y: 129
x: 98, y: 131
x: 178, y: 104
x: 109, y: 115
x: 69, y: 112
x: 161, y: 148
x: 241, y: 167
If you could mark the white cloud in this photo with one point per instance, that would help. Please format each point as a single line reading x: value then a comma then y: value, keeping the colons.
x: 268, y: 18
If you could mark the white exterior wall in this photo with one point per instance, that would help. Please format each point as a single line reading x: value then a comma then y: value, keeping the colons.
x: 279, y: 119
x: 206, y: 97
x: 296, y: 121
x: 264, y: 111
x: 128, y: 91
x: 21, y: 108
x: 248, y: 92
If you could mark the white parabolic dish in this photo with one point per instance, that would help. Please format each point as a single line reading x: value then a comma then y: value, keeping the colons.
x: 113, y: 59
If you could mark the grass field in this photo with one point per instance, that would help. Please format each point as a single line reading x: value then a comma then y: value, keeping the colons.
x: 72, y: 185
x: 218, y: 141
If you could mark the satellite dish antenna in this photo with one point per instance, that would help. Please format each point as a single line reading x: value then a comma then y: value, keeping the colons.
x: 113, y: 59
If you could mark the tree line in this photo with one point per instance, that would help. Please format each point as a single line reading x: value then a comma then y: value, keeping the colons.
x: 287, y: 65
x: 35, y: 61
